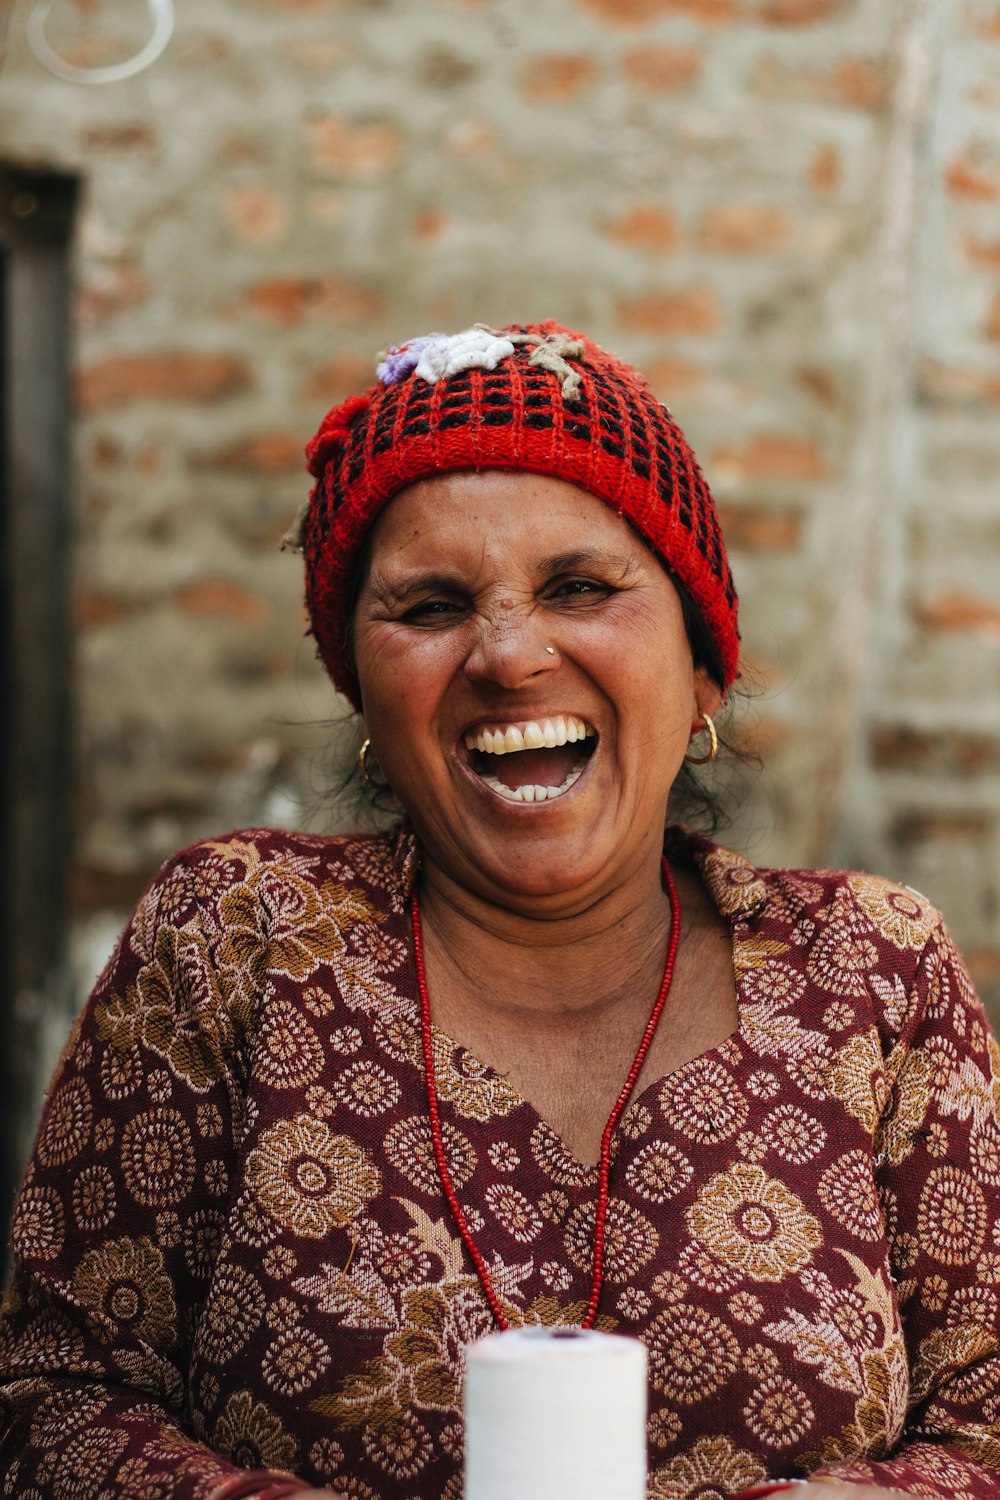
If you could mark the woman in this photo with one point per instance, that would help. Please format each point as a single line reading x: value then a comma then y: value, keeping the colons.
x: 339, y: 1106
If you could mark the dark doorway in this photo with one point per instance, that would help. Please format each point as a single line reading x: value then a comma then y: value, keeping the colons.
x: 36, y: 519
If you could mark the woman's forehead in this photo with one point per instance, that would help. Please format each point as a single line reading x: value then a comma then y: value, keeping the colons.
x: 464, y: 517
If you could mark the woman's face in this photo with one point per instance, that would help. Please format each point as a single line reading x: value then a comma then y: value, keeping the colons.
x: 501, y: 610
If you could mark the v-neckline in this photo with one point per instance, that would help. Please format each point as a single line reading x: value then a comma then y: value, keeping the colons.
x: 736, y: 916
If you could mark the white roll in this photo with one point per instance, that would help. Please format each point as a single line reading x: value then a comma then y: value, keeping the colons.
x: 555, y: 1414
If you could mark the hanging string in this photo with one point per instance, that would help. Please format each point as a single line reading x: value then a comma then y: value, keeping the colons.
x: 164, y: 21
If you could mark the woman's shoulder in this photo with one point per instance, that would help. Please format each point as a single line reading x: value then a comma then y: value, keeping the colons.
x: 261, y: 857
x: 851, y: 900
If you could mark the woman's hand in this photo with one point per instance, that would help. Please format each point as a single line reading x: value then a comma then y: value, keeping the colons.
x: 836, y: 1490
x: 314, y: 1495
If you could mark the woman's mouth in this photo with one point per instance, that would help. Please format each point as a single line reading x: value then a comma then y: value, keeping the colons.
x: 534, y: 761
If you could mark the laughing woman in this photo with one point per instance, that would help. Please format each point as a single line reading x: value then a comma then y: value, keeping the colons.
x: 340, y: 1105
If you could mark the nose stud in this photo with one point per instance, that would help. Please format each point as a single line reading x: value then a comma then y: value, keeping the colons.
x: 551, y: 650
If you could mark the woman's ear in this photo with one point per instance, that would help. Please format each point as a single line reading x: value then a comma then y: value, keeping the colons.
x: 707, y: 696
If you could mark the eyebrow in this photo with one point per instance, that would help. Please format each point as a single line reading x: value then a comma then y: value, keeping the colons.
x: 570, y: 562
x: 389, y: 591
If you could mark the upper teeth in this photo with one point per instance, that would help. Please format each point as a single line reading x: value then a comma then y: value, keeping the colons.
x: 564, y: 729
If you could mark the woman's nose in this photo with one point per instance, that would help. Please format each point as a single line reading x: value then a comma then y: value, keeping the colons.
x: 510, y: 647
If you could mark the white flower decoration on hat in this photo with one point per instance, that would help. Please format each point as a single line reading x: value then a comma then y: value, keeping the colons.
x: 445, y: 354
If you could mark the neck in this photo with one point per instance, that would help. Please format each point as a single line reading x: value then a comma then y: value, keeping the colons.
x: 540, y: 971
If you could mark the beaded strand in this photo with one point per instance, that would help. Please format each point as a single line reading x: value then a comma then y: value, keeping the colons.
x: 604, y: 1166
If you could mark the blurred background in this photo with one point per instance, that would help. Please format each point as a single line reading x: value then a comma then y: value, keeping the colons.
x: 787, y: 212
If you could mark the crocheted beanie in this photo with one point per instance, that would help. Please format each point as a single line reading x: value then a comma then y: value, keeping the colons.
x: 536, y: 398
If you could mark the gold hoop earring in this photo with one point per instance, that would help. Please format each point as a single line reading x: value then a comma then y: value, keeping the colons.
x: 702, y: 760
x: 363, y: 763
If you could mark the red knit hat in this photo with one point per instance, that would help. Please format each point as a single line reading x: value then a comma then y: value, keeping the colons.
x: 536, y: 398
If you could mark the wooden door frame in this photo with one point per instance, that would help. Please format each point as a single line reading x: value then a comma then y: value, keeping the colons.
x: 37, y: 211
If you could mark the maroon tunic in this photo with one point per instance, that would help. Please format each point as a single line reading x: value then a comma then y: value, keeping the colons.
x: 233, y: 1251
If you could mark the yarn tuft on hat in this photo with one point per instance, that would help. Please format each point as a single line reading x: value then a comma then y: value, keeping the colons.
x: 537, y: 398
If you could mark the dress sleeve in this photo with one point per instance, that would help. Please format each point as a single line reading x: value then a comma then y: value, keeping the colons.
x: 938, y: 1162
x: 119, y: 1217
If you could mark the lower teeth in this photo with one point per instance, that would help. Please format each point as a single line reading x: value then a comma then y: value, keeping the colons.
x: 536, y: 793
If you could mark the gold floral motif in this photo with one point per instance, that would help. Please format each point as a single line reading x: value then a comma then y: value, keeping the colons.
x: 38, y: 1226
x: 778, y: 1412
x: 703, y: 1101
x: 309, y: 1179
x: 66, y: 1124
x: 897, y: 1133
x: 847, y: 1191
x: 157, y: 1157
x: 288, y: 1053
x: 692, y: 1353
x: 125, y: 1282
x: 472, y: 1089
x: 754, y: 1223
x: 712, y: 1469
x: 249, y: 1433
x: 856, y: 1077
x: 952, y: 1216
x: 905, y: 918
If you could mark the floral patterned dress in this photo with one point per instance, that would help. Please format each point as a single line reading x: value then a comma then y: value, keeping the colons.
x: 233, y: 1251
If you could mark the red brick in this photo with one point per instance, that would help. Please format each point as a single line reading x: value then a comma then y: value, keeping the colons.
x: 760, y: 528
x: 857, y: 82
x: 106, y: 452
x: 134, y: 135
x: 258, y: 453
x: 823, y: 175
x: 797, y: 12
x: 772, y: 455
x: 641, y: 12
x: 429, y: 225
x: 745, y: 229
x: 670, y: 378
x: 917, y: 826
x: 338, y: 378
x: 441, y: 68
x: 659, y: 70
x: 96, y: 887
x: 124, y: 378
x: 960, y: 611
x: 984, y: 966
x: 256, y: 212
x: 315, y: 54
x: 992, y: 328
x: 970, y: 177
x: 241, y: 150
x: 289, y: 300
x: 556, y: 75
x: 359, y: 150
x: 822, y: 385
x: 690, y: 311
x: 951, y: 385
x: 987, y: 25
x: 901, y: 747
x: 217, y: 596
x: 93, y: 608
x: 983, y: 253
x: 645, y: 226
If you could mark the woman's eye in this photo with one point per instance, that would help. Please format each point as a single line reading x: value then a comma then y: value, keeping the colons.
x: 579, y: 588
x: 433, y: 612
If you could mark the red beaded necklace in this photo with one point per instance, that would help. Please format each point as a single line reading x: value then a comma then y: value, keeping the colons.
x: 604, y: 1167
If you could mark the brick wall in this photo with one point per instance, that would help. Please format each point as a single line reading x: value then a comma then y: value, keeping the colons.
x: 786, y: 211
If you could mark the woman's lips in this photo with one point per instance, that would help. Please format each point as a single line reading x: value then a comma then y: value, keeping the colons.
x: 534, y: 761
